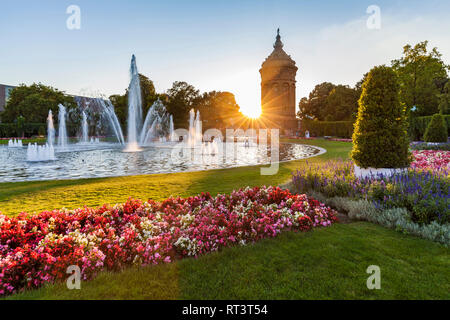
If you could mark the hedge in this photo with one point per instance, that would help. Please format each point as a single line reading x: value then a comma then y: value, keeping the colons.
x: 29, y: 129
x: 418, y: 125
x: 341, y: 129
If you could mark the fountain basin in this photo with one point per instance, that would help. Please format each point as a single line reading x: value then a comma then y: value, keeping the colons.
x: 109, y: 160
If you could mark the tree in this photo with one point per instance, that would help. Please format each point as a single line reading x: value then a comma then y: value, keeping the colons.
x: 181, y: 98
x: 380, y: 136
x: 33, y: 103
x: 444, y: 99
x: 329, y: 102
x: 436, y: 130
x: 421, y: 74
x: 120, y: 103
x: 148, y: 94
x: 359, y: 84
x: 219, y: 110
x: 341, y: 104
x: 314, y: 107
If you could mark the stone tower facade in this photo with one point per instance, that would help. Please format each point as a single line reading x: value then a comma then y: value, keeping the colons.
x: 278, y: 73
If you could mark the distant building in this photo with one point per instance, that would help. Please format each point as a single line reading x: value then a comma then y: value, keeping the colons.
x: 278, y: 73
x: 4, y: 95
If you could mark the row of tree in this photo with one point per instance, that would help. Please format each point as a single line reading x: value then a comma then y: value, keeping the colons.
x: 218, y: 108
x: 424, y: 88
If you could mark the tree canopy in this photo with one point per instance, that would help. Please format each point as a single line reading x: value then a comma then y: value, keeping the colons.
x: 422, y: 77
x: 219, y: 109
x: 148, y: 93
x: 32, y: 103
x: 329, y: 102
x: 181, y: 98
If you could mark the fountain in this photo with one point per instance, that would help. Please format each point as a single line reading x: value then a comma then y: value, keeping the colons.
x: 172, y: 136
x: 134, y: 108
x: 198, y: 130
x: 40, y: 153
x: 84, y: 129
x: 157, y: 124
x: 195, y: 136
x: 50, y: 129
x: 62, y: 132
x: 108, y: 110
x: 16, y: 143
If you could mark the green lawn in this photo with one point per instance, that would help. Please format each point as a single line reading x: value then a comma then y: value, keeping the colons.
x: 38, y: 196
x: 328, y: 263
x: 25, y: 141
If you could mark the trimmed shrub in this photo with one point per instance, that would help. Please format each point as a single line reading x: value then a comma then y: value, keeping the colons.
x: 341, y: 129
x: 8, y: 130
x: 436, y: 130
x: 380, y: 137
x: 418, y: 125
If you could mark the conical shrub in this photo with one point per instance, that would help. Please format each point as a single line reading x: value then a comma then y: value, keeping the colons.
x: 380, y: 137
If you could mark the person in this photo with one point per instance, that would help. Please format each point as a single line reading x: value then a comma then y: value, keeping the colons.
x: 307, y: 134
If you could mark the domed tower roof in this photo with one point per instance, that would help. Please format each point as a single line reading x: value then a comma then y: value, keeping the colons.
x: 278, y: 57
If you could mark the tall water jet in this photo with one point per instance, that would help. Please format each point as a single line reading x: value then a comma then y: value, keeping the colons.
x: 62, y: 131
x: 108, y: 110
x: 172, y: 137
x: 134, y: 108
x: 156, y: 125
x: 198, y: 129
x: 50, y: 129
x: 84, y: 129
x: 191, y: 136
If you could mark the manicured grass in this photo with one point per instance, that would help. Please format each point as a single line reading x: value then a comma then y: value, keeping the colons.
x: 16, y: 197
x: 327, y: 263
x: 25, y: 141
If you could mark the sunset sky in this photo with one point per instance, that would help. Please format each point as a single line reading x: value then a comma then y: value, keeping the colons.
x: 213, y: 45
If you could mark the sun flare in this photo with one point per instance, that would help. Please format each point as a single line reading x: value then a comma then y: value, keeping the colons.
x: 253, y: 113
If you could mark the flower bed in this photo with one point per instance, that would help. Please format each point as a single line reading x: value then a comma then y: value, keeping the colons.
x: 424, y: 193
x: 435, y: 160
x: 36, y: 249
x: 418, y: 145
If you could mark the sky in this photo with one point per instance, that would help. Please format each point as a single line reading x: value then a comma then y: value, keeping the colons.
x: 213, y: 45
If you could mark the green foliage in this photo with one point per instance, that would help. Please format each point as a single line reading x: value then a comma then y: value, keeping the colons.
x: 33, y: 103
x: 444, y: 99
x: 380, y: 137
x: 329, y: 102
x: 181, y: 98
x: 422, y: 75
x: 436, y: 130
x: 311, y: 107
x: 148, y: 94
x: 41, y: 130
x: 341, y: 104
x: 394, y: 218
x: 219, y: 110
x: 426, y: 146
x: 341, y: 129
x: 8, y: 130
x: 418, y: 125
x: 20, y: 123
